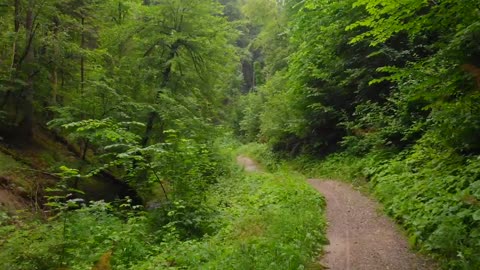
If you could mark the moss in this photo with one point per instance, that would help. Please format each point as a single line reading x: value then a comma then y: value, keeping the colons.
x: 8, y: 164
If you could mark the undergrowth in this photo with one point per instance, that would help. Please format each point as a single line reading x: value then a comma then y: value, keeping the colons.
x: 245, y: 221
x: 263, y: 221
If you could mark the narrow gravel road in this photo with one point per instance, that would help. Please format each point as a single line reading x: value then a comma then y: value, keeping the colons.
x: 248, y: 164
x: 361, y: 237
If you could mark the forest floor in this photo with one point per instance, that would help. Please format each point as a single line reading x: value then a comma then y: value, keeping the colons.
x: 361, y: 237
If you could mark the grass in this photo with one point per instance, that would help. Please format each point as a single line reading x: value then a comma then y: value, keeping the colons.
x: 15, y: 173
x: 268, y: 220
x: 265, y: 220
x: 7, y: 164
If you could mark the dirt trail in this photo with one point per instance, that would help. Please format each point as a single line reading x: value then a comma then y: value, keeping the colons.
x: 361, y: 237
x: 248, y: 164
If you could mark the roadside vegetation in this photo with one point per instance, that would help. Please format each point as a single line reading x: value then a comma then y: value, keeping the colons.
x: 259, y: 220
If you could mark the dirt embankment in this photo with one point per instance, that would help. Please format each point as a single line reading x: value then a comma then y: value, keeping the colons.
x: 10, y: 201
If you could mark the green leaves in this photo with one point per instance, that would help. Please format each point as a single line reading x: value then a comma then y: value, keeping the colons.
x: 104, y: 131
x: 476, y: 215
x: 388, y: 18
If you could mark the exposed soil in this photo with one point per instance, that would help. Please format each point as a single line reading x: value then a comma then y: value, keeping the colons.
x: 11, y: 202
x: 361, y: 237
x: 28, y: 167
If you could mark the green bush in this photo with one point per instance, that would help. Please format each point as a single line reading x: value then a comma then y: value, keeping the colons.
x: 434, y: 194
x: 264, y: 221
x: 76, y: 240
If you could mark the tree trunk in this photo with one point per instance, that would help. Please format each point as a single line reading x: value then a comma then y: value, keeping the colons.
x: 54, y: 85
x: 13, y: 67
x: 54, y: 75
x: 85, y: 149
x: 152, y: 116
x: 82, y: 58
x: 16, y: 25
x: 26, y: 124
x: 149, y: 128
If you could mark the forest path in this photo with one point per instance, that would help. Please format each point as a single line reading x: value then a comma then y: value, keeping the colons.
x: 248, y: 164
x: 361, y: 237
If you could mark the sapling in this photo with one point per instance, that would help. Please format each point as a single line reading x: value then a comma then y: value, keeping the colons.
x: 61, y: 200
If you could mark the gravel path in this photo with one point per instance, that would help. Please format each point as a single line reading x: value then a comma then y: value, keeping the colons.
x: 361, y: 237
x: 248, y: 164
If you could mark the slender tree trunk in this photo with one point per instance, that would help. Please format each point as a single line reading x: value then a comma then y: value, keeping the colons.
x: 82, y: 58
x: 82, y: 81
x: 13, y: 66
x: 247, y: 72
x: 26, y: 124
x: 254, y: 75
x: 54, y: 85
x: 152, y: 116
x: 85, y: 149
x: 16, y: 19
x: 54, y: 75
x: 16, y: 25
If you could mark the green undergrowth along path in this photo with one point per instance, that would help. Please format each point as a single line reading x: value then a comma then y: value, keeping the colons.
x: 432, y: 193
x: 265, y: 220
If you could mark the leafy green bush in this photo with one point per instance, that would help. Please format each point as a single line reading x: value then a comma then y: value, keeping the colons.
x: 252, y: 105
x: 264, y: 221
x: 341, y: 166
x: 77, y: 240
x: 433, y: 193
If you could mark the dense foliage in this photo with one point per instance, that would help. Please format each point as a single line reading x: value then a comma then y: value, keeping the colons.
x: 135, y: 88
x: 96, y: 95
x: 393, y: 85
x: 249, y: 221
